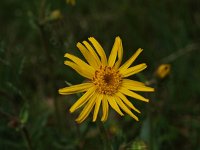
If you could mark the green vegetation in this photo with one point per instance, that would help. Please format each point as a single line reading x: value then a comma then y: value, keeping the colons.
x: 33, y: 40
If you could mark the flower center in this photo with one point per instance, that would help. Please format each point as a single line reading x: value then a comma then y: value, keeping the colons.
x: 107, y: 80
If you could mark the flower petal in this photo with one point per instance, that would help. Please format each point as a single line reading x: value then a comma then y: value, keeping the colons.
x: 125, y: 108
x: 137, y: 88
x: 104, y: 109
x: 75, y: 89
x: 87, y: 109
x: 92, y: 51
x: 97, y: 106
x: 113, y: 54
x: 133, y: 82
x: 83, y: 99
x: 133, y: 70
x: 87, y: 55
x: 127, y: 102
x: 130, y: 61
x: 80, y: 63
x: 114, y: 105
x: 99, y: 50
x: 82, y: 71
x: 132, y: 94
x: 120, y: 55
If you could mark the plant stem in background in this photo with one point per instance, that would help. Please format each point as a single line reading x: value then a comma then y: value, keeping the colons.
x: 27, y: 138
x: 176, y: 54
x: 45, y: 44
x: 104, y: 136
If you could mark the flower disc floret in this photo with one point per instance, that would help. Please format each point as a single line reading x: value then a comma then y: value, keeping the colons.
x: 107, y: 80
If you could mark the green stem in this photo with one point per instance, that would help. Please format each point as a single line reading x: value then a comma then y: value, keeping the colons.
x: 104, y: 136
x: 27, y: 138
x: 49, y: 60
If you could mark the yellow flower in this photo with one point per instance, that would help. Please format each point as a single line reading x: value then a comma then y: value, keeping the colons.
x: 72, y: 2
x: 107, y: 85
x: 55, y: 15
x: 163, y: 70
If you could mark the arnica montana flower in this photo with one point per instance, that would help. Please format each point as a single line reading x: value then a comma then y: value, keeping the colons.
x: 107, y: 85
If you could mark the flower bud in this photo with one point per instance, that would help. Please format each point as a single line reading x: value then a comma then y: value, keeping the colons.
x: 163, y: 70
x: 55, y: 15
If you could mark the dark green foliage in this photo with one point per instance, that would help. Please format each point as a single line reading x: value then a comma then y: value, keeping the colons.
x: 35, y: 117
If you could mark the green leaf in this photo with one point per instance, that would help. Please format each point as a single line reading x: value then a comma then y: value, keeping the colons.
x: 24, y: 114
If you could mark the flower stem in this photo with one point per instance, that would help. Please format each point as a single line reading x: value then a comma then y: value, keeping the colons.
x: 27, y: 138
x: 104, y: 136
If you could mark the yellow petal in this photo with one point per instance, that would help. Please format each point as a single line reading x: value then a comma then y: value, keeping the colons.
x: 83, y: 99
x: 124, y: 108
x: 132, y: 94
x: 120, y: 55
x: 104, y: 109
x: 133, y: 82
x: 127, y: 102
x: 114, y: 105
x: 113, y: 54
x: 130, y: 61
x: 80, y: 63
x: 97, y: 106
x: 91, y: 60
x: 92, y: 51
x: 75, y: 89
x: 99, y: 50
x: 87, y: 109
x: 133, y: 70
x: 137, y: 87
x: 82, y: 71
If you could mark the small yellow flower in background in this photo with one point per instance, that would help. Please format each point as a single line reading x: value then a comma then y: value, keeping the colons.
x: 55, y: 15
x: 163, y: 70
x: 107, y: 85
x: 71, y: 2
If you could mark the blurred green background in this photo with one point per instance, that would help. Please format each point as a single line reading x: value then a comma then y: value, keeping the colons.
x: 35, y: 35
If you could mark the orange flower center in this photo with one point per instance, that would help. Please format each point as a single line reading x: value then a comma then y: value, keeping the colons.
x: 107, y: 80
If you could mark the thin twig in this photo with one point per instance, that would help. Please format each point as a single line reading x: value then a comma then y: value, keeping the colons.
x: 179, y: 53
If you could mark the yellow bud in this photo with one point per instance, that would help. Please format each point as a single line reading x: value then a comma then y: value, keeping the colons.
x: 71, y: 2
x: 55, y: 15
x: 163, y: 70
